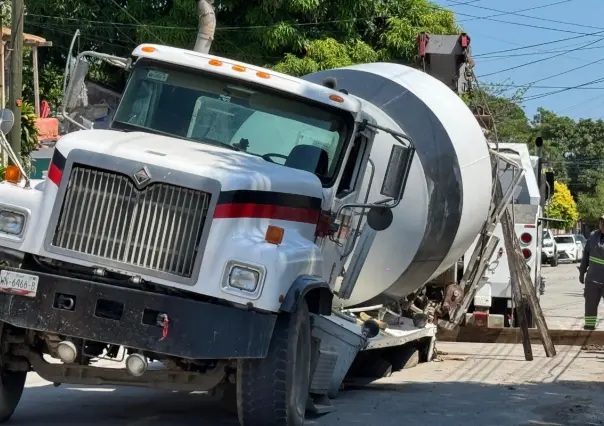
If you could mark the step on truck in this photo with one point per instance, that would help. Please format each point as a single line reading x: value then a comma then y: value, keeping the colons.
x: 247, y: 230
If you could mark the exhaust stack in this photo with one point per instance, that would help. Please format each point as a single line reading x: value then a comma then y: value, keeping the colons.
x: 207, y: 26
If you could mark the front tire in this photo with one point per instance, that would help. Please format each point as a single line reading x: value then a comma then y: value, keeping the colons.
x: 273, y: 391
x: 11, y: 390
x: 554, y: 261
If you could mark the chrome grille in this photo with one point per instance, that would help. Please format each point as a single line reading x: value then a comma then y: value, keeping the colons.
x: 105, y: 216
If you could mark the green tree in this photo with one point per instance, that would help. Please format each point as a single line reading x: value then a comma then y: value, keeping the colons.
x: 591, y: 206
x: 562, y: 206
x: 509, y: 119
x: 579, y: 146
x: 50, y: 80
x: 5, y: 13
x: 296, y: 36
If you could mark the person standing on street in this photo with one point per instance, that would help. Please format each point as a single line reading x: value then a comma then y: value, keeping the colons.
x: 592, y: 264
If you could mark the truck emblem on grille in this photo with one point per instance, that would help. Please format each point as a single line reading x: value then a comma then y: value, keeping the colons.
x: 142, y: 176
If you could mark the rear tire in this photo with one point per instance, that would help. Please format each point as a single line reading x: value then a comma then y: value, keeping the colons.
x: 273, y: 391
x: 11, y: 390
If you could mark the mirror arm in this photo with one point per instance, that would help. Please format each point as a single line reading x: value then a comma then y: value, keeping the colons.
x: 399, y: 137
x: 66, y: 73
x: 116, y: 61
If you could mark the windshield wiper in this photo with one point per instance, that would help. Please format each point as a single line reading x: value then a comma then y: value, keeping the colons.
x: 225, y: 145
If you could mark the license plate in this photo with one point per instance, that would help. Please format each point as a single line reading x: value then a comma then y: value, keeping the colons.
x: 18, y: 283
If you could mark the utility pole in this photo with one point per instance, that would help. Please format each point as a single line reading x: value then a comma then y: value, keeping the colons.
x: 16, y: 74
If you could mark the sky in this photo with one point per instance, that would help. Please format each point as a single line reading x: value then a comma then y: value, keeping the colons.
x: 496, y: 25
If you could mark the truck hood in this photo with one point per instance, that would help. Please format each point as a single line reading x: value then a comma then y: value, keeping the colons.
x: 566, y: 246
x: 234, y: 170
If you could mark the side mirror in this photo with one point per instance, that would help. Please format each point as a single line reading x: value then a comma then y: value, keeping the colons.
x: 379, y: 218
x: 397, y: 172
x: 76, y: 86
x: 550, y: 179
x: 7, y: 120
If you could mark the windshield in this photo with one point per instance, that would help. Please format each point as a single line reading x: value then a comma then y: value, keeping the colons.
x: 210, y: 109
x: 564, y: 240
x: 580, y: 238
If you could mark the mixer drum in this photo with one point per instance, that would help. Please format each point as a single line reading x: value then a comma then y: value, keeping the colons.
x: 448, y: 193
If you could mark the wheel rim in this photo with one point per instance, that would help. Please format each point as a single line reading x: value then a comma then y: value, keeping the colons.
x: 301, y: 373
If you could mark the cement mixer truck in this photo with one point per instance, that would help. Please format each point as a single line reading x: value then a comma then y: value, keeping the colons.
x: 242, y: 229
x: 232, y: 224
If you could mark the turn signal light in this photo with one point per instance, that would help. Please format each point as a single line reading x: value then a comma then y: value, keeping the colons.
x: 238, y: 68
x: 262, y: 74
x: 274, y: 234
x: 526, y: 238
x: 12, y: 174
x: 215, y: 62
x: 148, y: 49
x: 336, y: 98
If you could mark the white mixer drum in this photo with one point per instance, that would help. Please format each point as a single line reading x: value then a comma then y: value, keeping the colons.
x: 448, y: 193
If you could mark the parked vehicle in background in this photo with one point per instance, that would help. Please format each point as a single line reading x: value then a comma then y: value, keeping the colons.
x: 569, y: 248
x: 581, y: 239
x: 549, y: 249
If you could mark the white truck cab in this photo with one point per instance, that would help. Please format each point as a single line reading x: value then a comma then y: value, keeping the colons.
x: 201, y: 230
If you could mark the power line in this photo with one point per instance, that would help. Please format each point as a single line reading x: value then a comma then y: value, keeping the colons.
x: 136, y: 20
x: 529, y: 86
x: 546, y: 43
x: 597, y: 61
x: 297, y: 24
x: 518, y: 13
x: 540, y: 52
x: 579, y: 104
x: 543, y: 95
x: 542, y: 59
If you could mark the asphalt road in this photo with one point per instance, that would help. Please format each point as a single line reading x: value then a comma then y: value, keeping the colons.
x: 490, y: 385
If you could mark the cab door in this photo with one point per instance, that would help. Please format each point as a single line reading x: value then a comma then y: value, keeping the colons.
x: 338, y: 245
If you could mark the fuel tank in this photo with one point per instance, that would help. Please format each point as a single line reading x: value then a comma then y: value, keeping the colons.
x: 448, y: 192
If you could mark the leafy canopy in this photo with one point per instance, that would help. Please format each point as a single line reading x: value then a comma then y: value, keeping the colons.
x: 579, y: 145
x: 562, y: 206
x: 591, y: 206
x: 296, y: 36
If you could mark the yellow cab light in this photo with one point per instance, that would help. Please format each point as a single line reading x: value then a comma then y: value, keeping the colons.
x: 238, y: 68
x: 336, y: 98
x: 274, y: 234
x: 12, y: 174
x: 148, y: 49
x: 215, y: 62
x: 262, y: 74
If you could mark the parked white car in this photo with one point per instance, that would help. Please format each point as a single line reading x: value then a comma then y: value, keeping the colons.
x: 569, y: 248
x: 549, y: 252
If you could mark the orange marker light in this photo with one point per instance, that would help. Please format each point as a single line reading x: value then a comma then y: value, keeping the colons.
x: 215, y: 62
x: 148, y: 49
x: 274, y: 234
x: 336, y: 98
x: 238, y: 68
x: 12, y: 174
x: 262, y: 74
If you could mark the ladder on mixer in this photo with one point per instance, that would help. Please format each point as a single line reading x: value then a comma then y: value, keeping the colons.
x: 486, y: 245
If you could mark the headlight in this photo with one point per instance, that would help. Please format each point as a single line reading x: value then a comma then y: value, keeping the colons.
x: 548, y: 244
x: 244, y: 279
x: 11, y: 222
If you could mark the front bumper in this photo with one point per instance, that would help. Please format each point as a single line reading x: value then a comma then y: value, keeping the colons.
x: 547, y: 254
x: 129, y: 317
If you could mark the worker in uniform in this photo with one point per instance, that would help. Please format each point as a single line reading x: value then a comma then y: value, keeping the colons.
x: 591, y: 274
